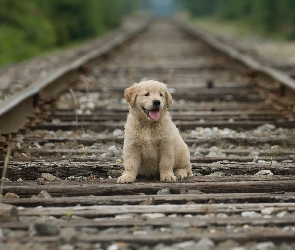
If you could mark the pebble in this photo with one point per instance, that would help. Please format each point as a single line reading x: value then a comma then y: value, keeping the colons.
x: 264, y: 246
x: 36, y: 144
x: 264, y: 172
x: 149, y: 201
x: 264, y: 128
x: 198, y: 154
x: 183, y: 191
x: 194, y: 191
x: 67, y: 247
x: 11, y: 196
x: 241, y: 135
x: 215, y: 152
x: 8, y: 213
x: 185, y: 245
x: 262, y: 162
x: 221, y: 215
x: 125, y: 216
x: 163, y: 191
x: 154, y: 215
x: 204, y: 244
x: 266, y: 146
x: 217, y: 174
x: 119, y: 246
x: 254, y: 153
x: 252, y: 214
x: 95, y: 146
x: 48, y: 177
x: 140, y: 232
x: 255, y: 159
x: 267, y: 210
x: 112, y: 148
x: 118, y: 132
x: 282, y: 214
x: 288, y: 228
x: 44, y: 195
x: 49, y: 145
x: 68, y: 235
x: 161, y: 246
x: 107, y: 154
x: 43, y: 227
x: 228, y: 244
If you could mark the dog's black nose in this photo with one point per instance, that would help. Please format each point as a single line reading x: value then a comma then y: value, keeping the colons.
x: 156, y: 103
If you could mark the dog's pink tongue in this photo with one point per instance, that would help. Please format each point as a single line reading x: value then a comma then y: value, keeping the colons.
x: 154, y: 114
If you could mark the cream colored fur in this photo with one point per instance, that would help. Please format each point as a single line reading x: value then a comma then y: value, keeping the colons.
x: 152, y: 147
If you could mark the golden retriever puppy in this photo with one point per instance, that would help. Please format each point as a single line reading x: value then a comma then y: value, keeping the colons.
x: 152, y: 143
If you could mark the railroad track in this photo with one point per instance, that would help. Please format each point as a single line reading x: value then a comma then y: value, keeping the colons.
x: 236, y: 116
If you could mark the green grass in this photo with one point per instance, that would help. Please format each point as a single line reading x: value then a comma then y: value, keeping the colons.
x: 221, y: 27
x: 274, y: 47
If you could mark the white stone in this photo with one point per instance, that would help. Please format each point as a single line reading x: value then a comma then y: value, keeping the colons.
x: 154, y: 215
x: 264, y: 128
x: 264, y: 246
x: 184, y: 245
x: 198, y: 154
x: 205, y: 244
x: 267, y: 210
x: 118, y: 132
x: 282, y: 214
x: 264, y: 172
x: 140, y: 232
x: 112, y: 148
x: 251, y: 214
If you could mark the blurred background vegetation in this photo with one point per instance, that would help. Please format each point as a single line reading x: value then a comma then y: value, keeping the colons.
x: 31, y: 27
x: 268, y: 17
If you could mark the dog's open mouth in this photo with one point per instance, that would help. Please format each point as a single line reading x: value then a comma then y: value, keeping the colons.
x: 154, y: 114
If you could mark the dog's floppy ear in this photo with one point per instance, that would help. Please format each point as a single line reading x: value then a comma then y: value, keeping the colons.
x: 168, y: 97
x: 130, y: 94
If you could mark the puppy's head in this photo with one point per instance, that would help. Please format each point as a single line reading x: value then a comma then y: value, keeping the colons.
x: 149, y: 99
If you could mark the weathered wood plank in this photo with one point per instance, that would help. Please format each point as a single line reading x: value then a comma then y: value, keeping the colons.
x: 109, y: 187
x: 104, y: 167
x: 248, y: 141
x: 169, y: 222
x: 96, y: 211
x: 103, y: 125
x: 154, y: 199
x: 244, y: 153
x: 168, y: 238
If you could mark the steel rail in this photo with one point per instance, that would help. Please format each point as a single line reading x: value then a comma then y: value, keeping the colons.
x: 15, y: 109
x: 248, y: 61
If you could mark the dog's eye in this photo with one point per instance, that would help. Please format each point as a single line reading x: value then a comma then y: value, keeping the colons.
x: 147, y: 94
x: 161, y: 94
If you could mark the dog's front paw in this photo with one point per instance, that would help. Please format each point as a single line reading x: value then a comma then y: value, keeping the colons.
x: 168, y: 177
x: 126, y: 178
x: 181, y: 173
